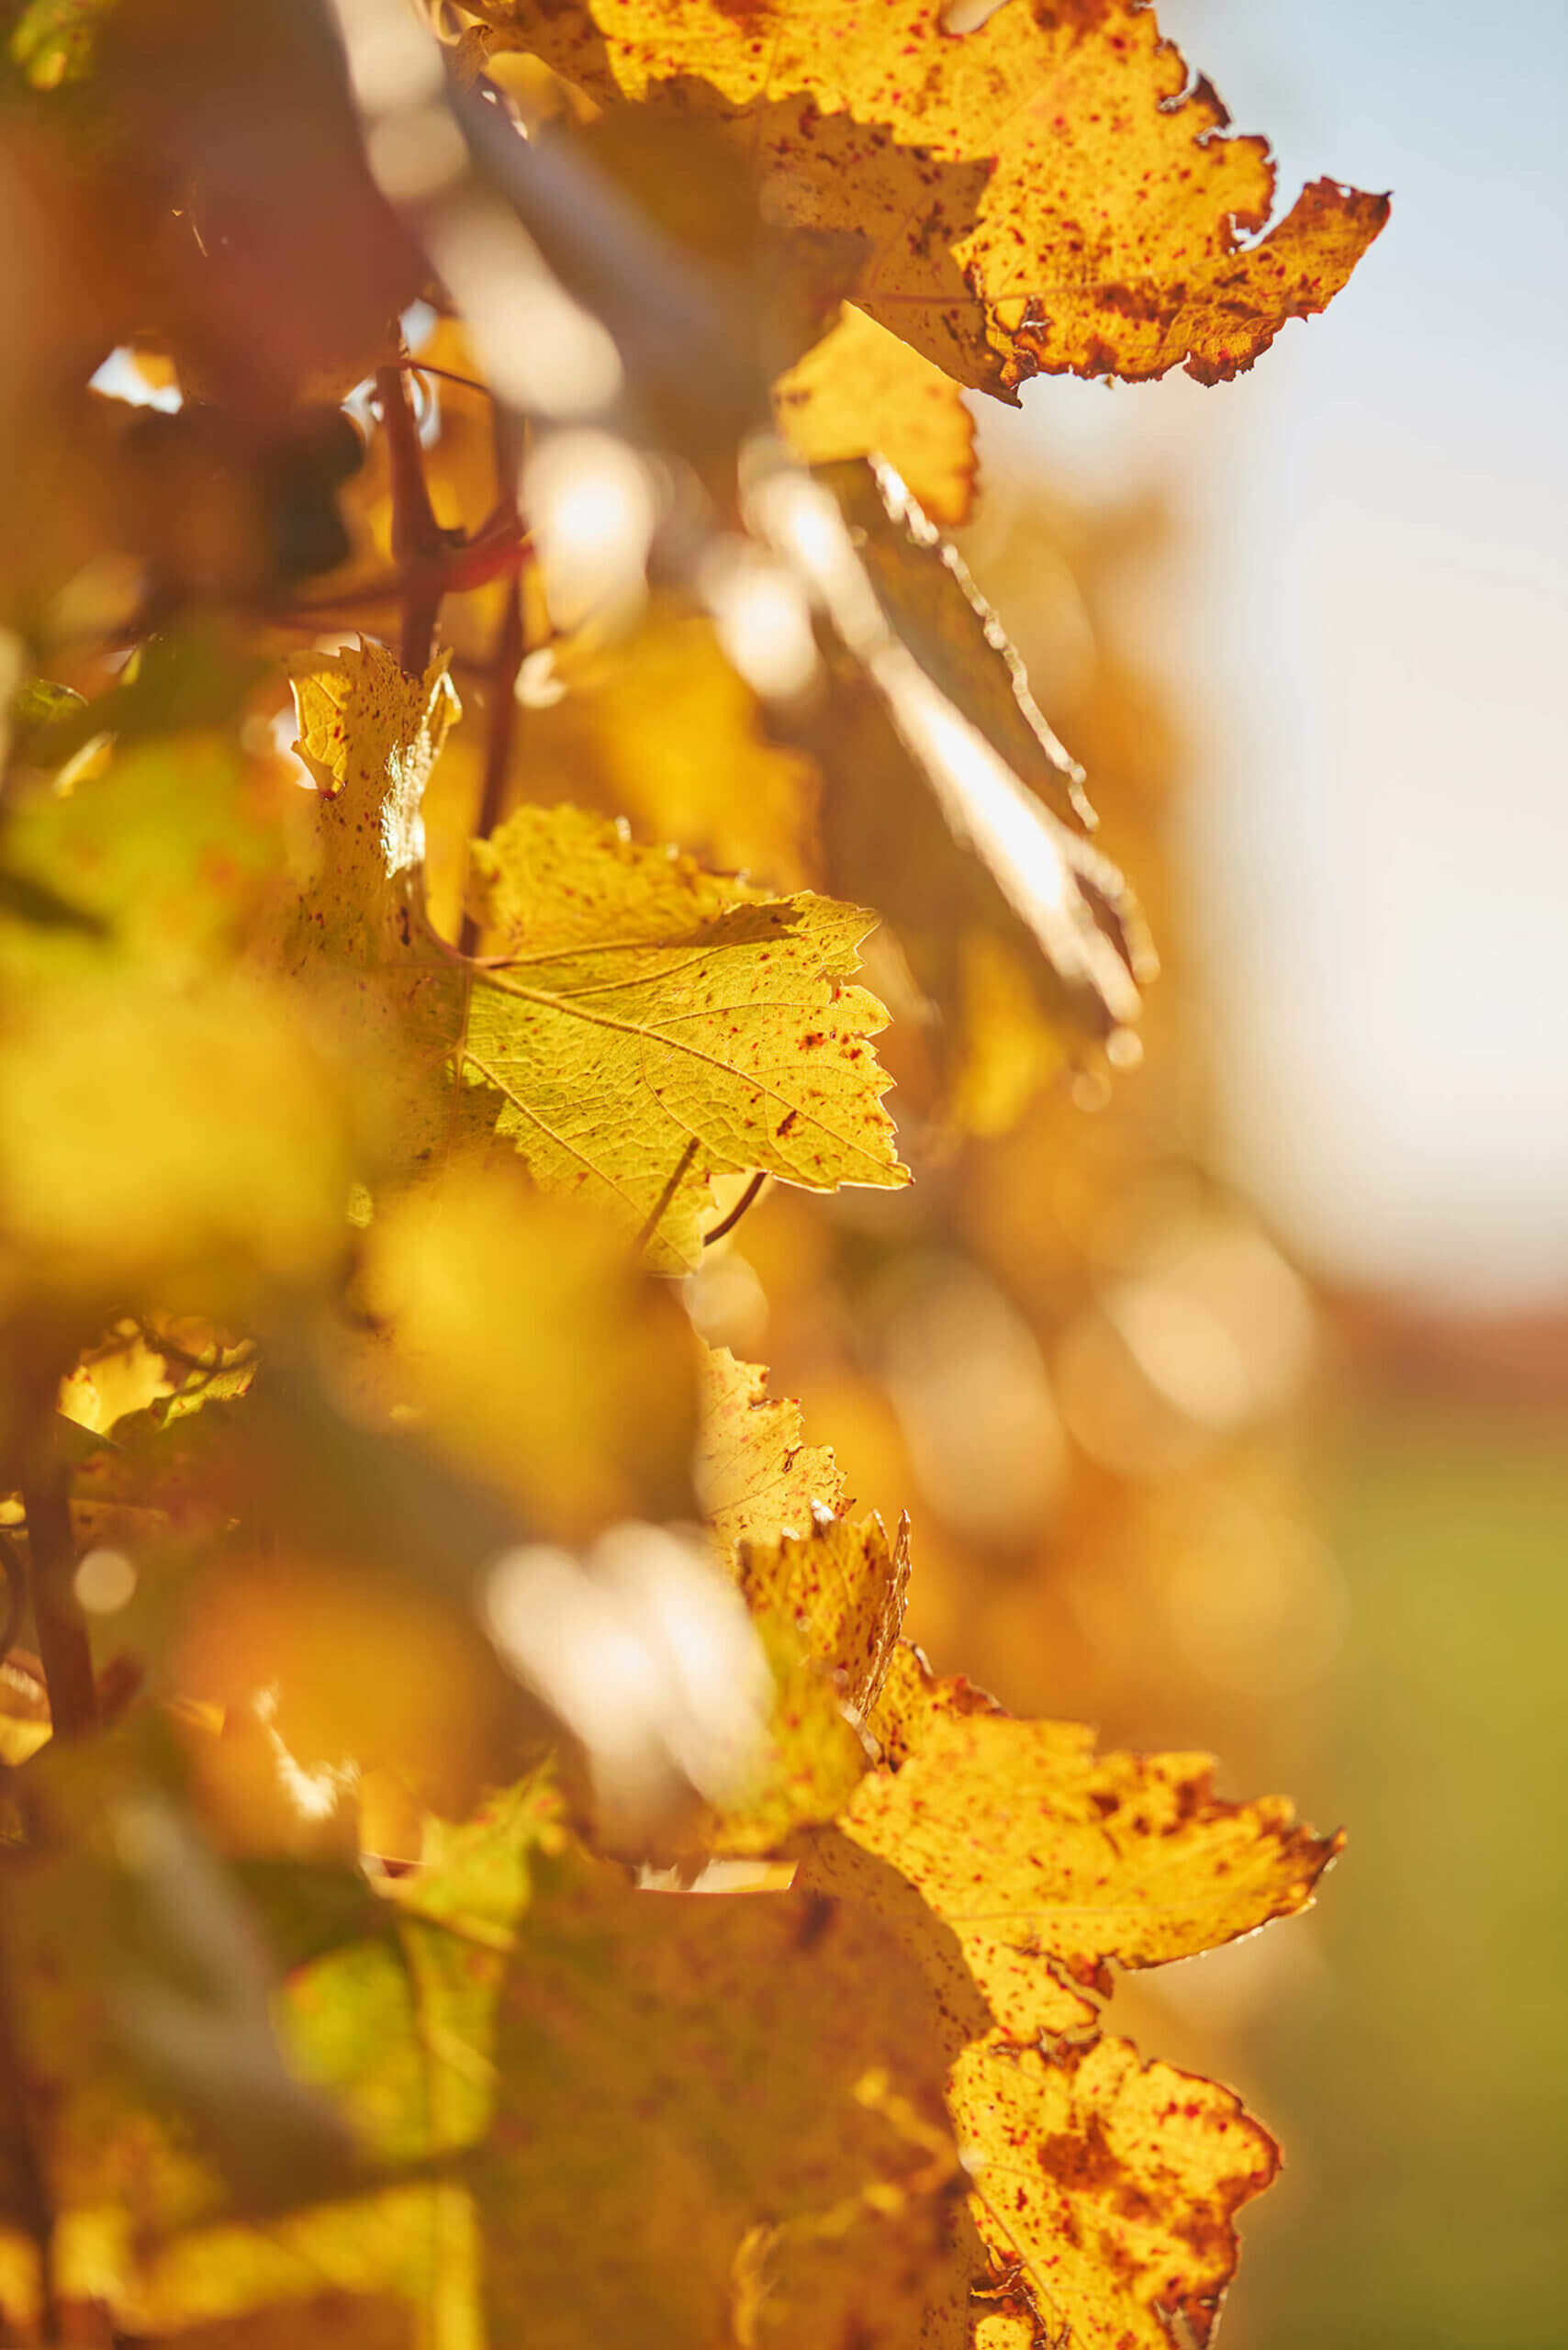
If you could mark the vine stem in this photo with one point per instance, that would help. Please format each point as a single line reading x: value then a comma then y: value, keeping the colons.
x: 740, y: 1206
x: 502, y: 690
x: 419, y: 542
x: 63, y: 1649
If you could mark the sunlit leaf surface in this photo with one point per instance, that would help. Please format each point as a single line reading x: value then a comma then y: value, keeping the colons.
x: 1039, y: 193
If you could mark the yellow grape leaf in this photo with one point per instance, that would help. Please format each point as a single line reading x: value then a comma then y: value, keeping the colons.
x: 388, y: 991
x: 1049, y: 1861
x: 1111, y: 2186
x: 175, y: 1149
x: 741, y: 2096
x: 757, y: 1476
x: 863, y: 393
x: 842, y: 1587
x: 658, y: 727
x: 1038, y: 195
x: 161, y: 856
x: 388, y: 2017
x: 1000, y: 867
x: 813, y: 1756
x: 652, y: 1025
x: 523, y: 1333
x: 827, y: 1605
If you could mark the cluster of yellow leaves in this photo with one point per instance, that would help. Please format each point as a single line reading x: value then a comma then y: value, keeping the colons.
x: 267, y: 2016
x: 640, y: 1026
x: 1017, y: 1866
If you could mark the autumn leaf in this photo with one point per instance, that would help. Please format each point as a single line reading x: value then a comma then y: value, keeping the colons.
x: 522, y: 1333
x: 160, y: 857
x: 1039, y: 194
x: 1107, y: 2188
x: 652, y: 1025
x: 842, y: 1587
x: 767, y: 2153
x: 862, y: 392
x: 655, y: 726
x: 965, y: 816
x: 356, y: 939
x: 827, y: 1605
x: 179, y: 1149
x: 757, y: 1476
x: 1050, y: 1861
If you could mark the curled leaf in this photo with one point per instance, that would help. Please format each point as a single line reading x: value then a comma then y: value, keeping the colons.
x: 1042, y: 192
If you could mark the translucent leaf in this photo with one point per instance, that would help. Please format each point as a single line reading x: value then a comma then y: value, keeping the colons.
x: 1038, y: 193
x: 1107, y: 2188
x: 654, y: 1026
x: 655, y: 726
x: 1050, y: 1861
x: 524, y: 1336
x: 842, y: 1586
x: 357, y: 938
x: 756, y: 1473
x: 162, y: 856
x: 949, y: 798
x: 860, y: 393
x: 176, y: 1147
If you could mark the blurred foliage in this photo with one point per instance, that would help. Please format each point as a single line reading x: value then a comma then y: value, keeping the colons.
x: 474, y: 1835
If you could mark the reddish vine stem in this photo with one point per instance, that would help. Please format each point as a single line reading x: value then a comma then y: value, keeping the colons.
x: 501, y: 731
x: 29, y: 2185
x: 63, y: 1649
x: 419, y: 542
x: 729, y: 1222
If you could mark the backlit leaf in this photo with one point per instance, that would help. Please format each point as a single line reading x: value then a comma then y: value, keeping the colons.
x: 842, y: 1587
x: 973, y: 847
x: 655, y: 726
x: 1039, y: 194
x: 1050, y: 1861
x: 862, y: 392
x: 652, y: 1025
x: 522, y: 1331
x: 756, y: 1473
x: 1112, y: 2186
x: 357, y: 938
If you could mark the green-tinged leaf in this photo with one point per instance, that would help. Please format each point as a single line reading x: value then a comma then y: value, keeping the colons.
x: 193, y: 679
x: 164, y: 852
x: 652, y: 1025
x: 741, y: 2097
x: 176, y: 1150
x: 523, y: 1333
x: 150, y: 2077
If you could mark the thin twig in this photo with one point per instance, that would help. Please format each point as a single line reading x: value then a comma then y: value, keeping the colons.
x: 418, y: 540
x: 501, y: 720
x: 62, y: 1628
x: 740, y: 1206
x: 16, y: 1581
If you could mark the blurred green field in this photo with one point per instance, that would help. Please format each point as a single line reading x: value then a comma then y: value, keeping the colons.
x: 1418, y: 2073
